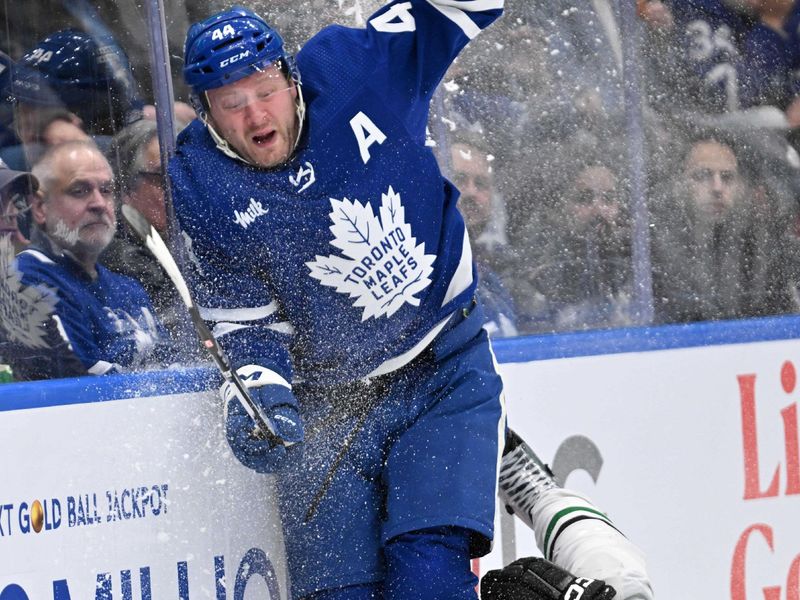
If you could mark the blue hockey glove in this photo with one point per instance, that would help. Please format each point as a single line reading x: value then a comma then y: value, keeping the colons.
x: 280, y: 406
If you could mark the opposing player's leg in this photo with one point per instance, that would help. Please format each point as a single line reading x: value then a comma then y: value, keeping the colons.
x: 570, y: 530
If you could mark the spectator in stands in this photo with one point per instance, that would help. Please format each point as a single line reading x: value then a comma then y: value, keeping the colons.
x: 482, y: 209
x: 16, y: 188
x: 107, y: 318
x: 706, y: 56
x: 582, y: 279
x: 30, y: 340
x: 737, y: 55
x: 70, y: 73
x: 711, y: 245
x: 59, y: 127
x: 585, y: 51
x: 184, y: 113
x: 7, y: 134
x: 771, y: 58
x: 656, y: 14
x: 135, y: 153
x: 48, y: 127
x: 501, y: 83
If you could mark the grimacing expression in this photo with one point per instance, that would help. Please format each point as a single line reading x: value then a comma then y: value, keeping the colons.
x: 78, y: 208
x: 712, y: 175
x: 257, y: 116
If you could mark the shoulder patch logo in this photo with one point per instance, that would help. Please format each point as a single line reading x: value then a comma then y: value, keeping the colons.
x: 381, y: 266
x: 304, y: 178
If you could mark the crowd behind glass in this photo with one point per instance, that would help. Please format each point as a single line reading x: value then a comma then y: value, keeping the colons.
x: 529, y: 124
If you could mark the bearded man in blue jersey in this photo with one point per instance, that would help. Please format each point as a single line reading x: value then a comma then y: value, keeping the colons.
x: 330, y: 261
x: 106, y: 319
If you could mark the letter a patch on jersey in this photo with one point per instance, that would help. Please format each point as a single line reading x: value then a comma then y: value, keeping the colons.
x: 381, y: 266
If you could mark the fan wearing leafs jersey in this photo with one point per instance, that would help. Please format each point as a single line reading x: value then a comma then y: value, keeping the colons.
x: 331, y: 263
x: 708, y: 42
x: 107, y: 319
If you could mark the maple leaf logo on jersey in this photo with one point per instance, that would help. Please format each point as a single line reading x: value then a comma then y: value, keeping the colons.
x: 382, y: 265
x: 24, y: 309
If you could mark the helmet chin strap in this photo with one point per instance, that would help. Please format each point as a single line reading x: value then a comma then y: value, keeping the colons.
x: 224, y: 147
x: 300, y: 111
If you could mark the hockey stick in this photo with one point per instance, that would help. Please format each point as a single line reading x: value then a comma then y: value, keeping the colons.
x: 517, y: 457
x: 158, y: 248
x: 323, y: 489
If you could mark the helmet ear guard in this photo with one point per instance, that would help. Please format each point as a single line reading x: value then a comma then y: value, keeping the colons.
x: 199, y: 104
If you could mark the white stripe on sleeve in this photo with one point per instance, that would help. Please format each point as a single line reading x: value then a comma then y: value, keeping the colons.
x: 459, y: 17
x: 471, y: 5
x: 238, y: 314
x: 462, y: 278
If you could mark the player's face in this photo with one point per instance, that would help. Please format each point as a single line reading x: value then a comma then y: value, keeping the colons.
x: 473, y: 178
x: 77, y: 211
x: 712, y: 175
x: 257, y: 116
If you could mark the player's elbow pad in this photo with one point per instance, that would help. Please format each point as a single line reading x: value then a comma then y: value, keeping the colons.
x: 575, y: 535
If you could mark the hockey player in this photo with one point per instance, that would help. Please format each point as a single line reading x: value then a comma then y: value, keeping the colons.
x: 331, y: 262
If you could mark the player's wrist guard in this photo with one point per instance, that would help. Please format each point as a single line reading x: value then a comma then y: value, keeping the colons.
x: 538, y: 579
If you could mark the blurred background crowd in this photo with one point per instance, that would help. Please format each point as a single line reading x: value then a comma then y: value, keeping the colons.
x: 621, y: 162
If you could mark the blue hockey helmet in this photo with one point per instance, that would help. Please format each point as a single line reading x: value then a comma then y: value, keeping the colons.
x: 230, y: 46
x: 72, y: 61
x: 84, y: 73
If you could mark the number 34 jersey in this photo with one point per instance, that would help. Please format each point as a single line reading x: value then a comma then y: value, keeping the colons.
x: 347, y: 260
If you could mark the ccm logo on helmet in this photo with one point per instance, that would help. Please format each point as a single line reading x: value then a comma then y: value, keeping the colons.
x: 218, y: 33
x: 232, y: 59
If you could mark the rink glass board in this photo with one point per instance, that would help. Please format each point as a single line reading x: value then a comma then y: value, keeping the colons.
x: 125, y: 488
x: 686, y: 435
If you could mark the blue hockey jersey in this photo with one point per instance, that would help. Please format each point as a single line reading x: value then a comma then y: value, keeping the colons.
x: 770, y: 63
x: 346, y: 261
x: 709, y: 39
x: 109, y: 321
